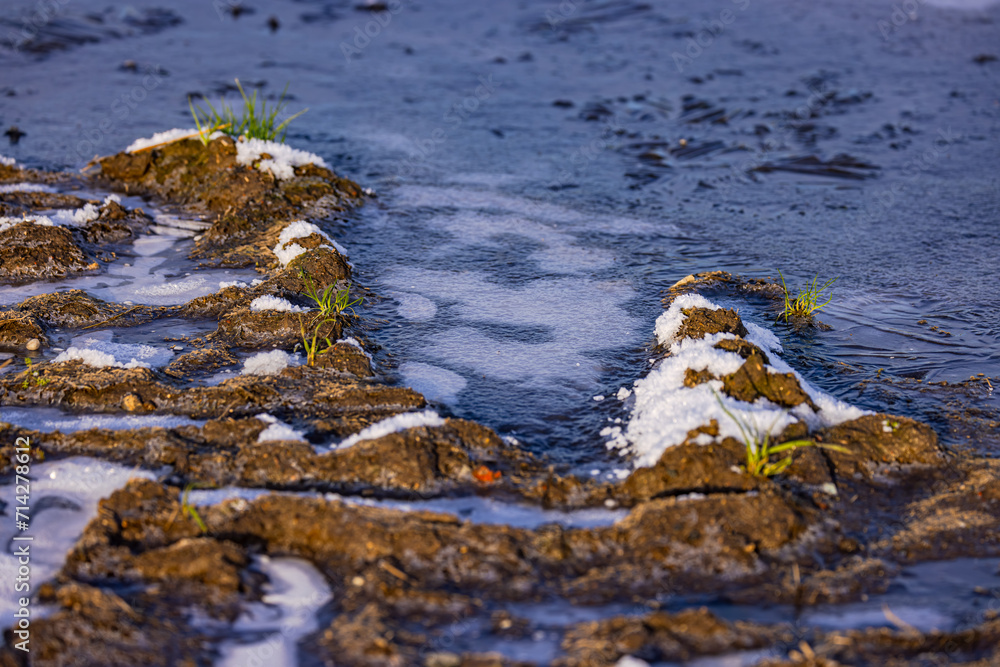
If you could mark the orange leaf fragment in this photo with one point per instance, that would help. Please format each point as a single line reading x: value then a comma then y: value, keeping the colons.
x: 485, y: 475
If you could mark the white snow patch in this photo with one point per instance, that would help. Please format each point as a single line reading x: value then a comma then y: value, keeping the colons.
x: 166, y: 136
x: 435, y: 383
x: 268, y: 302
x: 74, y: 218
x: 267, y: 363
x: 277, y: 430
x: 400, y: 422
x: 7, y: 161
x: 99, y: 351
x: 629, y: 661
x: 665, y: 410
x: 239, y: 283
x: 283, y: 158
x: 623, y: 393
x: 78, y: 217
x: 286, y: 251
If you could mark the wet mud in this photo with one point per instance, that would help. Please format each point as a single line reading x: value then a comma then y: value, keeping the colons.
x: 832, y: 528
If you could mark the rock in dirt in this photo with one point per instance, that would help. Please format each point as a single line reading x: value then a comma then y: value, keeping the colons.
x: 273, y: 329
x: 753, y: 380
x: 881, y: 439
x: 75, y: 309
x: 17, y: 331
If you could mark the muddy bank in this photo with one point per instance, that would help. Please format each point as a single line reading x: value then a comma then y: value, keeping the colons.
x: 698, y: 525
x: 245, y: 201
x: 390, y: 571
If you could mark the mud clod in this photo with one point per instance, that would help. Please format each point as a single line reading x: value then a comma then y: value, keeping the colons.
x: 17, y: 331
x: 30, y: 252
x: 248, y: 329
x: 700, y: 322
x: 753, y: 381
x: 878, y: 439
x: 661, y: 637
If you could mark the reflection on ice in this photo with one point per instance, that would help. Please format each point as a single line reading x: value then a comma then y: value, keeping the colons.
x: 295, y: 592
x: 48, y: 420
x: 564, y: 321
x: 68, y: 490
x: 435, y: 383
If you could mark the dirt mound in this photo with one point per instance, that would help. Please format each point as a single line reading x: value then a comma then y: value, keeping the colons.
x: 244, y: 201
x: 31, y: 252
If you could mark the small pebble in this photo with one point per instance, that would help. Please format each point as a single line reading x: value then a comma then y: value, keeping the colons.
x: 33, y: 344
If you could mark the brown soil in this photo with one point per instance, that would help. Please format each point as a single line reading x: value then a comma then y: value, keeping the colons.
x: 303, y: 391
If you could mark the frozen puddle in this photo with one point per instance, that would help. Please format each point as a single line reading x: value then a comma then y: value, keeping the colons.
x: 48, y: 420
x: 294, y: 593
x: 64, y: 497
x: 510, y: 311
x: 473, y: 509
x: 435, y: 383
x: 142, y: 279
x: 544, y: 333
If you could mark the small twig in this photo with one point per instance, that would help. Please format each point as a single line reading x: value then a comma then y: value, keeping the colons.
x: 126, y: 312
x: 393, y: 570
x: 229, y: 409
x: 891, y: 616
x: 94, y: 162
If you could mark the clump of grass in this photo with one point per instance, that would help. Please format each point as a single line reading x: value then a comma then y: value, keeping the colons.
x: 38, y: 381
x: 808, y: 300
x: 190, y: 509
x: 760, y: 449
x: 258, y: 121
x: 330, y: 301
x: 311, y: 340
